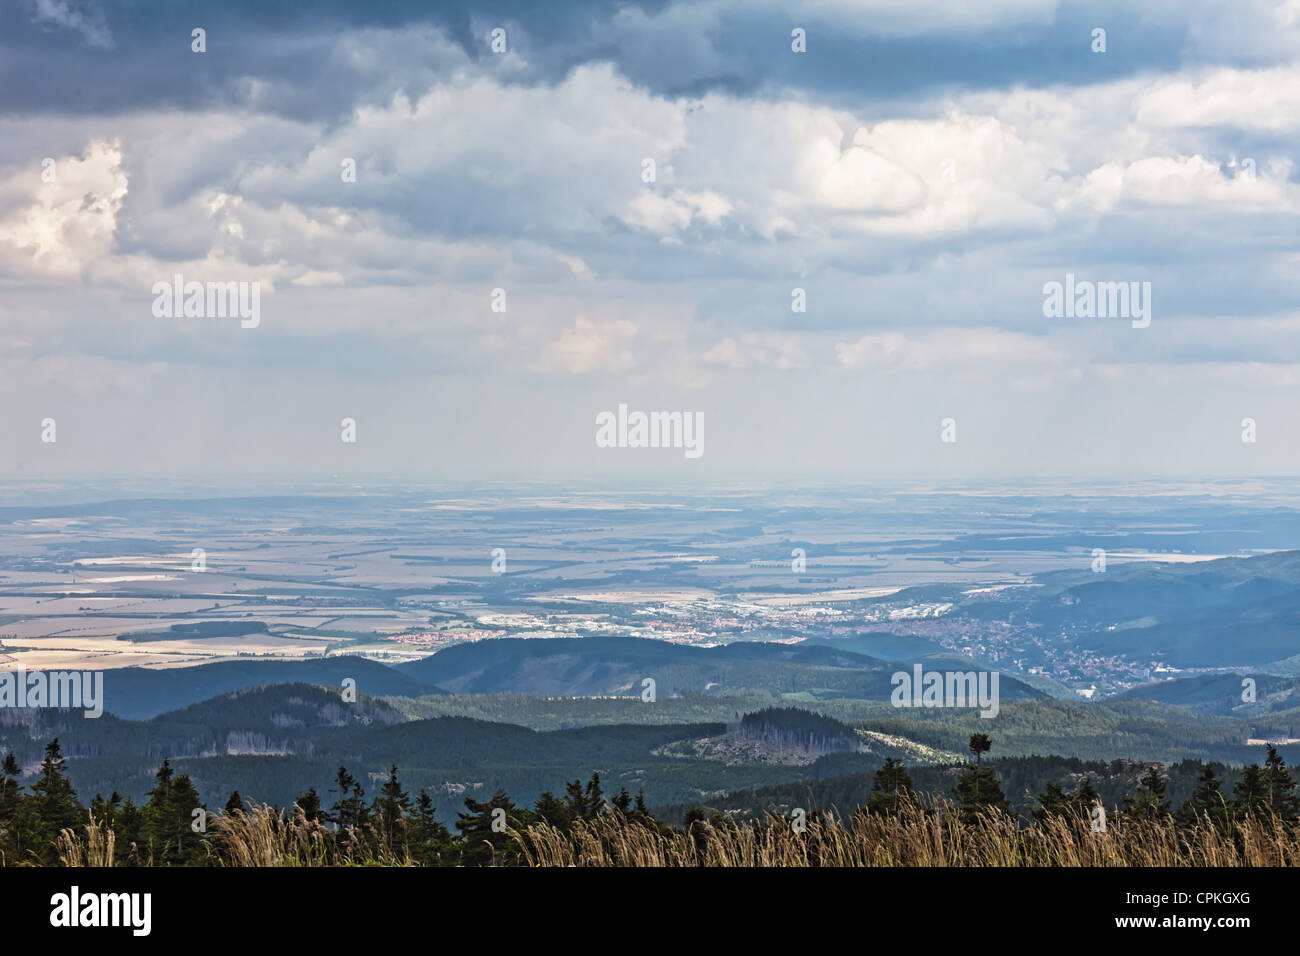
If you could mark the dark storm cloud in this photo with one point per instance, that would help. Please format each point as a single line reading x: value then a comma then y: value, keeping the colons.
x: 299, y: 60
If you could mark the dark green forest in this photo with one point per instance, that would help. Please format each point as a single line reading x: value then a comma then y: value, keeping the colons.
x: 171, y: 826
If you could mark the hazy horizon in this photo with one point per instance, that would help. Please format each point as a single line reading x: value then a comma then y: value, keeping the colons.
x: 34, y: 492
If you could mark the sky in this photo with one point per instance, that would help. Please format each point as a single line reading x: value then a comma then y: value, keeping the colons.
x: 921, y: 171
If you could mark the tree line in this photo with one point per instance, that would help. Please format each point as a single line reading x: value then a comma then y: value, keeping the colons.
x: 1261, y: 793
x: 171, y: 827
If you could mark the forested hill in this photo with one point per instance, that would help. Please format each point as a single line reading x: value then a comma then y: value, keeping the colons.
x: 138, y: 693
x: 620, y: 665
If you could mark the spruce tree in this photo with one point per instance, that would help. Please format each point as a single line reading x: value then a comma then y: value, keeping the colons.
x: 480, y: 842
x: 1086, y: 797
x: 889, y: 788
x: 575, y: 800
x: 157, y: 810
x: 429, y: 838
x: 390, y: 811
x: 11, y: 794
x: 54, y: 802
x: 1282, y: 799
x: 552, y: 811
x: 102, y: 811
x: 10, y: 787
x: 622, y: 800
x: 1206, y: 802
x: 1052, y: 802
x: 26, y: 838
x: 186, y: 845
x: 309, y: 804
x: 978, y: 788
x: 641, y: 815
x: 349, y: 810
x: 169, y: 815
x: 108, y: 814
x: 1250, y: 793
x: 1150, y: 802
x: 593, y: 797
x: 129, y: 829
x: 358, y: 804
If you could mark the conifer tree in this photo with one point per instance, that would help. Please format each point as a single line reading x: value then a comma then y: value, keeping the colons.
x: 584, y: 803
x: 1052, y: 802
x: 390, y: 811
x: 692, y: 820
x: 26, y: 837
x: 641, y: 814
x: 1086, y: 797
x: 234, y: 803
x: 480, y: 842
x: 106, y: 813
x: 158, y: 808
x: 977, y: 787
x: 429, y: 838
x: 622, y: 800
x: 1150, y: 802
x: 128, y: 828
x: 349, y: 810
x: 1206, y: 802
x: 575, y: 801
x: 593, y: 797
x: 1282, y: 799
x: 552, y: 811
x: 14, y: 824
x: 54, y: 803
x: 168, y: 816
x: 1250, y: 793
x: 309, y: 804
x: 891, y: 785
x: 10, y: 788
x: 185, y: 801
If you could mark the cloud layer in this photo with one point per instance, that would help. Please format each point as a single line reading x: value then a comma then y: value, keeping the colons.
x: 827, y: 252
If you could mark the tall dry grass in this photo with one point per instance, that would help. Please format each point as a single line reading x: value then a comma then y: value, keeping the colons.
x: 916, y: 835
x: 94, y: 849
x: 262, y: 836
